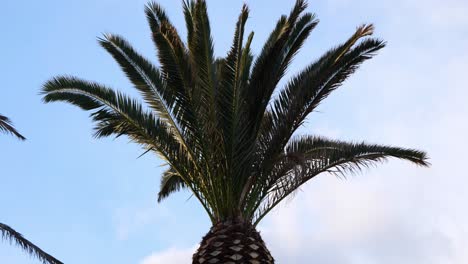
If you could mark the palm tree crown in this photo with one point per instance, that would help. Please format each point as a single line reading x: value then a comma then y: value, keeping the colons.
x: 216, y: 122
x: 222, y: 124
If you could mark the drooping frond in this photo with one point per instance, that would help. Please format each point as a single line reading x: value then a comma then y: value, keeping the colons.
x: 170, y: 182
x: 146, y: 78
x: 300, y: 97
x: 9, y: 234
x: 7, y: 126
x: 308, y: 156
x: 171, y: 104
x: 117, y: 114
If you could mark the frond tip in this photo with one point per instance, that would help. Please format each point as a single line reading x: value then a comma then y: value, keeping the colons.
x: 7, y: 126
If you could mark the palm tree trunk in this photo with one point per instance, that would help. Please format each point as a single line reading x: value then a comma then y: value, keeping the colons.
x: 232, y: 243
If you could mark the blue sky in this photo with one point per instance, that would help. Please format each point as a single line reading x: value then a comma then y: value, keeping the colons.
x: 92, y: 201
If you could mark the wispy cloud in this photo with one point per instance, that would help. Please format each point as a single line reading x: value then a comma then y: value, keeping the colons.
x: 170, y: 256
x: 128, y: 220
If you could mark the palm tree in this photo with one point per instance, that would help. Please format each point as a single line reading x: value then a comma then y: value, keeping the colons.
x: 8, y: 233
x: 223, y: 127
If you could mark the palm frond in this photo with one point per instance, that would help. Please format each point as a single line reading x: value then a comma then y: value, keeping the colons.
x: 189, y: 13
x: 170, y: 182
x: 146, y: 78
x: 270, y: 66
x: 204, y: 96
x: 9, y: 234
x: 118, y: 114
x: 171, y: 105
x: 268, y: 69
x: 177, y: 73
x: 172, y: 53
x: 7, y: 126
x: 202, y: 57
x: 115, y: 113
x: 305, y: 91
x: 315, y: 155
x: 228, y: 100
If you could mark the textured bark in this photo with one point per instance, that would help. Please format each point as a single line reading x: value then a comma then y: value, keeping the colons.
x: 232, y: 243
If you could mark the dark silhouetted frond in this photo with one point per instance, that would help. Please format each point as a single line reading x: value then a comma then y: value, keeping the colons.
x: 7, y: 126
x: 307, y: 89
x: 308, y: 156
x: 170, y: 182
x: 9, y: 234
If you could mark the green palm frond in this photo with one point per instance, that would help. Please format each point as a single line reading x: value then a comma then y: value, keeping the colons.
x: 202, y: 57
x: 189, y: 11
x: 306, y: 90
x: 117, y: 114
x: 314, y: 155
x: 9, y: 234
x: 146, y: 78
x: 270, y: 66
x: 172, y: 53
x: 114, y: 112
x: 7, y: 126
x: 171, y: 105
x: 170, y: 182
x: 228, y: 100
x: 222, y: 124
x: 268, y: 69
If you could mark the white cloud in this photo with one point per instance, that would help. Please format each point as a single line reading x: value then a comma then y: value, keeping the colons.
x: 171, y: 256
x: 395, y: 213
x: 379, y: 219
x: 128, y: 220
x: 370, y: 220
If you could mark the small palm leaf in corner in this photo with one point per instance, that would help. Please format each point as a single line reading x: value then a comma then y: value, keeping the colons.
x: 6, y: 126
x: 9, y: 234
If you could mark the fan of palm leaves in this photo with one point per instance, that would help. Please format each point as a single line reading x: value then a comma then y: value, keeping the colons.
x: 223, y: 125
